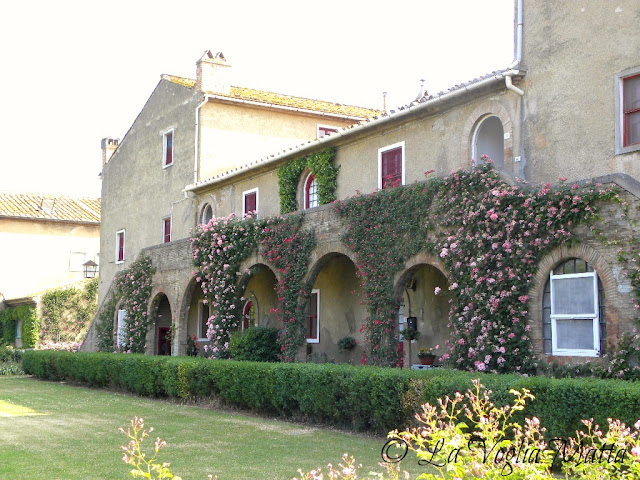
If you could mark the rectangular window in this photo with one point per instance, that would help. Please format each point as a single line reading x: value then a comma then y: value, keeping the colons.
x: 391, y: 166
x: 324, y: 130
x: 122, y: 317
x: 575, y: 328
x: 76, y: 261
x: 166, y: 230
x: 250, y: 202
x: 167, y: 149
x: 120, y: 246
x: 312, y: 315
x: 203, y: 318
x: 628, y: 111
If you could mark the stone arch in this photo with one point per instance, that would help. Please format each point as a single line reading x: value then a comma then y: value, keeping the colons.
x: 158, y: 326
x: 410, y: 266
x: 203, y: 201
x: 322, y: 254
x: 260, y: 288
x: 256, y: 260
x: 489, y: 108
x: 301, y: 186
x: 606, y: 276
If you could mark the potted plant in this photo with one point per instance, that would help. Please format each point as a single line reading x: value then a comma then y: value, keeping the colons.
x: 347, y: 343
x: 192, y: 346
x: 426, y: 356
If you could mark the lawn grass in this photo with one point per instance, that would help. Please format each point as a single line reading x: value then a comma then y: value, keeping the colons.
x: 58, y: 431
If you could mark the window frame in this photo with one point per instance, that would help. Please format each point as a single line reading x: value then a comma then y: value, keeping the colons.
x: 310, y: 178
x: 388, y: 148
x: 164, y: 229
x: 244, y: 197
x: 78, y: 268
x: 320, y: 126
x: 118, y: 259
x: 120, y: 327
x: 595, y: 318
x: 317, y: 338
x: 620, y: 121
x: 165, y: 134
x: 202, y: 336
x: 251, y: 304
x: 204, y: 210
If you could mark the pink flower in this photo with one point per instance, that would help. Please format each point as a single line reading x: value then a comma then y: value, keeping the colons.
x: 437, y: 290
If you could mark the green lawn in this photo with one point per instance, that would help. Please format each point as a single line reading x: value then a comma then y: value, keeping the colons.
x: 56, y: 431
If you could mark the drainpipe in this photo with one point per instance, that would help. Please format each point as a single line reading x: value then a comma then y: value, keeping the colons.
x: 510, y: 86
x: 197, y: 135
x: 518, y: 39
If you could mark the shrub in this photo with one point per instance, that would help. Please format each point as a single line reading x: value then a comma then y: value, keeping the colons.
x: 9, y: 322
x: 358, y: 397
x: 30, y: 326
x: 346, y: 343
x: 257, y: 344
x: 67, y: 312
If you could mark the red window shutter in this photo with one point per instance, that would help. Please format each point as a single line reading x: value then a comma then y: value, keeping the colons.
x: 121, y: 246
x: 168, y: 159
x: 312, y: 317
x: 322, y: 131
x: 631, y: 107
x: 250, y: 202
x: 204, y: 319
x: 307, y: 188
x: 167, y: 230
x: 391, y: 170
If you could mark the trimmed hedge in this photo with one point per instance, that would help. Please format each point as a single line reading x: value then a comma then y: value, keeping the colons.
x: 257, y: 344
x: 359, y: 397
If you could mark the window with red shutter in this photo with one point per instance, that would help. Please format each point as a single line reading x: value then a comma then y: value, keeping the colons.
x: 168, y: 148
x: 631, y: 110
x: 391, y: 166
x: 166, y: 230
x: 204, y: 319
x: 250, y: 201
x: 324, y: 130
x: 311, y: 192
x: 120, y: 246
x: 312, y: 315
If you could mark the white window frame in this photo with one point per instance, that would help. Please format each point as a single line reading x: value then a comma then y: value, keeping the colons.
x: 332, y: 127
x: 19, y: 330
x: 204, y: 209
x: 619, y: 105
x: 304, y: 192
x: 124, y: 246
x: 80, y: 268
x: 244, y: 196
x: 595, y: 317
x: 164, y: 147
x: 202, y: 336
x: 170, y: 218
x: 386, y: 149
x: 316, y: 340
x: 121, y: 317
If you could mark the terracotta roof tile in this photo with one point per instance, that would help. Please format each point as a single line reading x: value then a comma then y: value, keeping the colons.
x: 50, y: 207
x: 261, y: 96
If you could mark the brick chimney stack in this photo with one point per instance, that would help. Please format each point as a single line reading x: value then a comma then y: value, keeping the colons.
x: 109, y: 146
x: 212, y: 73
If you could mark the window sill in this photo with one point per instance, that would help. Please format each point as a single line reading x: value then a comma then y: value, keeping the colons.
x: 313, y: 340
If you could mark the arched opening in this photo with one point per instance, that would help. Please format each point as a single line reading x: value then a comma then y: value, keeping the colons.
x: 424, y: 306
x: 197, y: 316
x: 333, y: 311
x: 573, y: 311
x: 260, y: 299
x: 311, y: 198
x: 488, y: 140
x: 207, y: 214
x: 162, y: 322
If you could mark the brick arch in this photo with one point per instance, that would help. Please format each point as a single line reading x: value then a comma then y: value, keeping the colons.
x: 256, y: 260
x: 321, y: 256
x: 487, y: 109
x: 410, y: 267
x: 606, y: 276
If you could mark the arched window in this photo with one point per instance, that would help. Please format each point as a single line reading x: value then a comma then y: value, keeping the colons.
x: 248, y: 316
x: 573, y: 311
x: 207, y: 214
x: 488, y: 140
x: 311, y: 192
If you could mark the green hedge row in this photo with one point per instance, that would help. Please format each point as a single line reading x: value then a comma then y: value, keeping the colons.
x: 363, y: 398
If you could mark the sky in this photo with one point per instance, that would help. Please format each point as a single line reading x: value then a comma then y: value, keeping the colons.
x: 74, y: 72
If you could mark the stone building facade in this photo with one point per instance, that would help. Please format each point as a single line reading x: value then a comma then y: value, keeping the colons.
x: 566, y: 107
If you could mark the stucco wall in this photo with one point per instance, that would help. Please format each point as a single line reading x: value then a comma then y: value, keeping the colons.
x: 572, y: 51
x: 35, y: 255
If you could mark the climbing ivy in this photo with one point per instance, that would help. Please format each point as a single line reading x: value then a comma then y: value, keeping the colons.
x: 323, y: 169
x: 67, y: 312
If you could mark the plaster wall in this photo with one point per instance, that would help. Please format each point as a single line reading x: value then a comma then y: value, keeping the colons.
x: 572, y: 51
x: 36, y: 255
x: 137, y: 192
x: 235, y: 134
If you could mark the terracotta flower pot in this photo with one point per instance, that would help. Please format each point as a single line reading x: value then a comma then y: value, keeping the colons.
x: 427, y: 359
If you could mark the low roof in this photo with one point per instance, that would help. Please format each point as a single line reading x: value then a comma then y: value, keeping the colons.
x: 37, y: 206
x: 281, y: 100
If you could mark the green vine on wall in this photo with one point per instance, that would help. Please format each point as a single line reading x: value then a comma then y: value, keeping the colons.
x: 321, y: 165
x: 218, y: 251
x: 132, y: 288
x: 67, y: 312
x: 25, y: 316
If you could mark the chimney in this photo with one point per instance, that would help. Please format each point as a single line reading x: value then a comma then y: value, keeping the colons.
x: 212, y: 73
x: 109, y: 146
